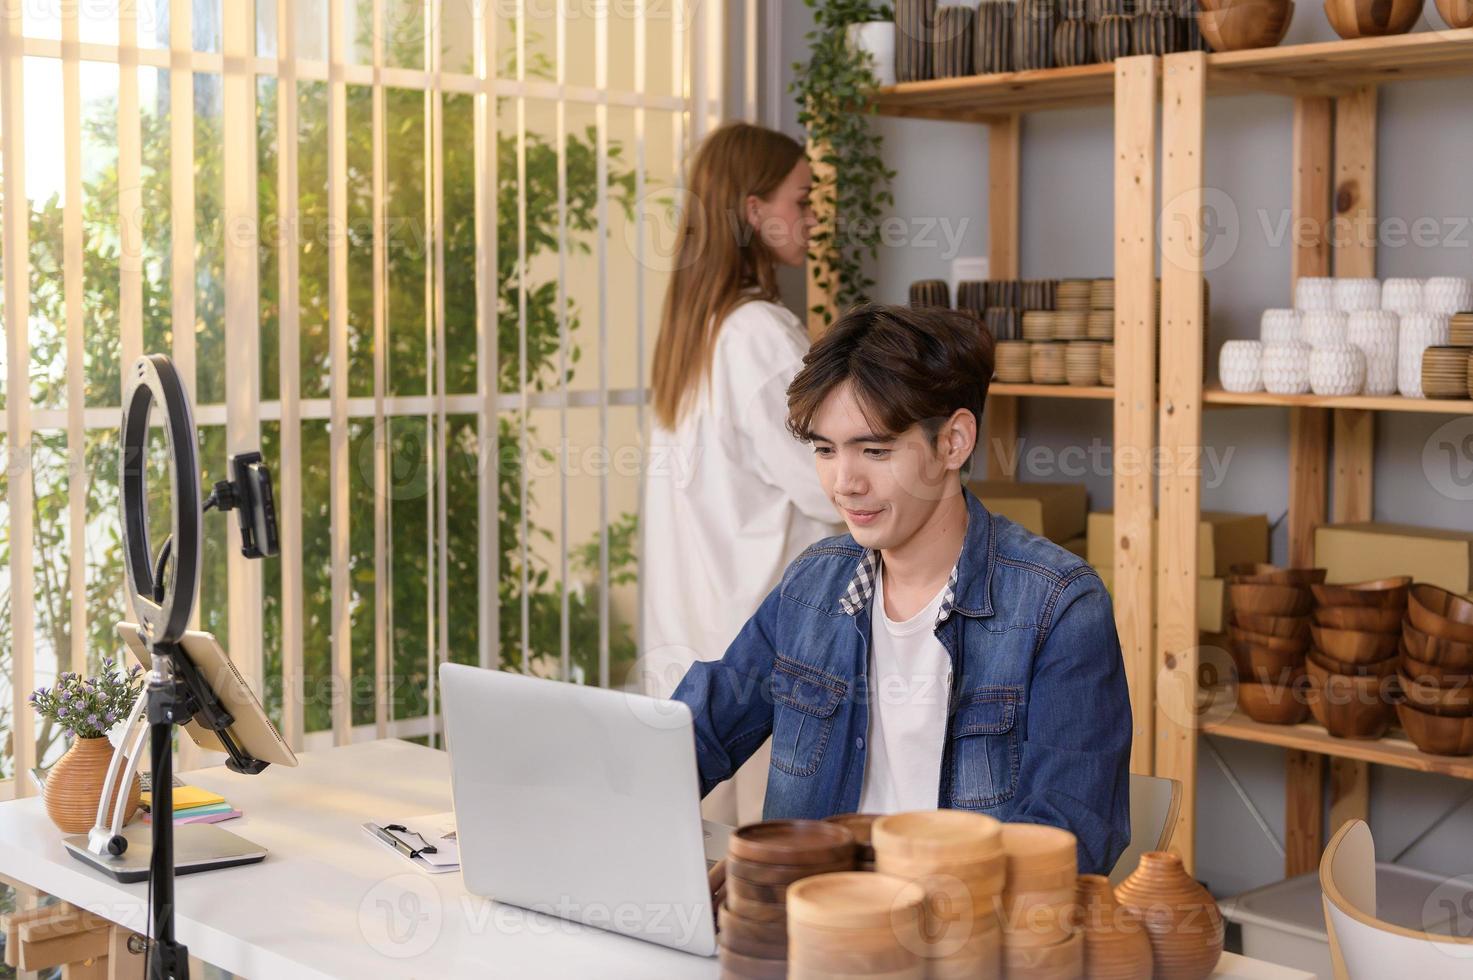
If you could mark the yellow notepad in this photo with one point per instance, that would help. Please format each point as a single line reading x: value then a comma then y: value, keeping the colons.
x: 187, y: 796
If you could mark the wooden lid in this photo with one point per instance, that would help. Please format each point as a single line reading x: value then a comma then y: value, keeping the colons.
x: 950, y: 835
x: 855, y: 900
x: 792, y: 842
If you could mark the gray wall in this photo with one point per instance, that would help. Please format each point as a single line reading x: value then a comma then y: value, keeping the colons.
x: 1425, y: 160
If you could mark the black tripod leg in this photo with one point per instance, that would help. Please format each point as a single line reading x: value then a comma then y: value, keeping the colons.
x: 167, y: 960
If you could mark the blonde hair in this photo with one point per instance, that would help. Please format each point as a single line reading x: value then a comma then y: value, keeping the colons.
x: 721, y: 262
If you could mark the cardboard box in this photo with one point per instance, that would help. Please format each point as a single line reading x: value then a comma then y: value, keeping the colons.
x: 1079, y: 545
x: 1052, y: 510
x: 1223, y: 540
x: 1212, y: 600
x: 1365, y: 551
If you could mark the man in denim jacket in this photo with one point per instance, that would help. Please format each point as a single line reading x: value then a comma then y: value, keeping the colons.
x: 937, y: 655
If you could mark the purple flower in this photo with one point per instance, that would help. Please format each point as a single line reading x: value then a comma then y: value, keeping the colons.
x: 112, y: 716
x: 32, y: 698
x: 61, y: 712
x: 92, y: 720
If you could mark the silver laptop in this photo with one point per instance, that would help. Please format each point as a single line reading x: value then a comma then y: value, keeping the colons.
x: 582, y: 803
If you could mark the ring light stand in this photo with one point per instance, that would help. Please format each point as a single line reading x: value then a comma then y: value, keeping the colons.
x: 176, y: 693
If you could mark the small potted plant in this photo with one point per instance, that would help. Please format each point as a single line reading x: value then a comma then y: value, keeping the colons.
x: 86, y: 709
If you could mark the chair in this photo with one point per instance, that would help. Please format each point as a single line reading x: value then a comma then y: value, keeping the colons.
x: 1154, y: 804
x: 1363, y: 947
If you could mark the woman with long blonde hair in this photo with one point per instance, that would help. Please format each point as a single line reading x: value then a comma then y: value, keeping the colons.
x: 730, y: 497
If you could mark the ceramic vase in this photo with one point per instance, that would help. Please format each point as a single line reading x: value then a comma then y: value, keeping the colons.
x: 1354, y: 295
x: 876, y: 39
x: 1073, y: 44
x: 1419, y: 331
x: 74, y: 786
x: 1314, y: 293
x: 1116, y: 946
x: 1113, y: 36
x: 1337, y: 370
x: 1181, y: 919
x: 1286, y: 368
x: 995, y: 27
x: 1240, y: 365
x: 1402, y: 296
x: 1279, y: 327
x: 955, y: 41
x: 1447, y: 295
x: 1033, y: 40
x: 1324, y: 328
x: 1375, y: 332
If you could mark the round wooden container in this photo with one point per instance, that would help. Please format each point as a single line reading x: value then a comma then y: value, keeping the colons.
x: 1071, y: 325
x: 1107, y: 364
x: 1036, y: 853
x: 780, y: 875
x: 1101, y: 325
x: 937, y: 835
x: 1012, y: 364
x: 1038, y: 325
x: 1082, y: 363
x: 736, y: 966
x: 792, y: 842
x: 1182, y: 920
x: 1063, y: 960
x: 1046, y: 364
x: 855, y: 923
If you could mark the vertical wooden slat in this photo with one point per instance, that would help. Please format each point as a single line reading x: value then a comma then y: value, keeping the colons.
x: 18, y: 401
x: 242, y: 316
x: 1182, y: 340
x: 1304, y: 780
x: 76, y: 328
x: 1354, y: 460
x: 1350, y: 791
x: 181, y: 194
x: 750, y: 46
x: 436, y: 149
x: 1313, y: 118
x: 382, y: 596
x: 289, y: 336
x: 1137, y: 82
x: 337, y: 251
x: 1308, y: 455
x: 488, y: 564
x: 130, y: 190
x: 1355, y: 183
x: 601, y: 121
x: 1004, y: 194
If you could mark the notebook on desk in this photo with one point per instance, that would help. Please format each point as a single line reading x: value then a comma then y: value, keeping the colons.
x: 428, y: 842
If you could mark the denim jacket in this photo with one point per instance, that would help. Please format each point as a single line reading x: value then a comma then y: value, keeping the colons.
x: 1039, y: 725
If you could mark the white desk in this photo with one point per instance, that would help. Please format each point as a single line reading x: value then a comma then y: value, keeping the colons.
x: 329, y: 902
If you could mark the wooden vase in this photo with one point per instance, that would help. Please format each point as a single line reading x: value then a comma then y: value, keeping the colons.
x: 915, y: 22
x: 995, y: 36
x: 1116, y: 946
x: 1113, y: 36
x: 1457, y: 13
x: 1181, y: 919
x: 1073, y: 44
x: 954, y: 41
x: 74, y: 785
x: 1156, y: 33
x: 1033, y: 42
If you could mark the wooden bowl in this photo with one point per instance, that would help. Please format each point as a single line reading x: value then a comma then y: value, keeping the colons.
x: 1348, y: 706
x: 1038, y: 851
x: 1430, y: 673
x: 760, y: 940
x: 1457, y: 13
x: 1274, y: 704
x: 1355, y: 646
x: 1287, y: 646
x: 855, y: 901
x: 1455, y: 701
x: 1258, y: 573
x: 734, y: 964
x: 1384, y: 667
x: 1436, y: 734
x: 1441, y: 613
x: 1366, y: 619
x: 1385, y: 593
x: 1281, y: 627
x: 1435, y: 650
x: 1062, y: 959
x: 925, y: 835
x: 792, y: 842
x: 1270, y: 600
x: 1241, y: 26
x: 1352, y: 19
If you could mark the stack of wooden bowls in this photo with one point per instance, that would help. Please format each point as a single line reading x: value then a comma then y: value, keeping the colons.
x: 930, y: 292
x: 1107, y: 364
x: 859, y: 826
x: 1101, y: 325
x: 1460, y: 330
x: 1445, y: 372
x: 1082, y: 363
x: 856, y: 924
x: 1038, y: 325
x: 763, y: 859
x: 1352, y: 668
x: 1269, y: 637
x: 1012, y: 361
x: 957, y: 858
x: 1046, y: 364
x: 1040, y: 938
x: 1437, y: 671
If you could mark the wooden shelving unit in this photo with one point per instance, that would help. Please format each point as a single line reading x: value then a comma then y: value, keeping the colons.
x: 983, y: 97
x: 1333, y: 86
x: 1096, y: 392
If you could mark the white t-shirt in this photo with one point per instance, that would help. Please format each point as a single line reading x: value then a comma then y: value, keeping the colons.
x: 910, y: 686
x: 730, y: 498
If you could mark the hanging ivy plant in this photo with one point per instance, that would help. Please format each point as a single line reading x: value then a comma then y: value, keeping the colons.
x: 833, y: 91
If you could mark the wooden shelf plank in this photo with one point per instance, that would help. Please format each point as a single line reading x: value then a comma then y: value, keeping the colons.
x: 979, y: 96
x: 1050, y: 391
x: 1336, y: 67
x: 1391, y: 403
x: 1391, y: 751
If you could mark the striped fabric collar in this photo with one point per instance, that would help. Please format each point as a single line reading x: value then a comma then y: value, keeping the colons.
x: 861, y: 588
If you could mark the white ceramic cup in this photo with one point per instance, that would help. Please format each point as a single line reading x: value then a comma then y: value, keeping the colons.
x: 1353, y: 295
x: 1402, y: 296
x: 1279, y: 327
x: 1324, y: 328
x: 1240, y: 365
x: 1376, y: 333
x: 1337, y: 370
x: 1448, y: 294
x: 1419, y: 331
x: 1314, y: 293
x: 1286, y: 368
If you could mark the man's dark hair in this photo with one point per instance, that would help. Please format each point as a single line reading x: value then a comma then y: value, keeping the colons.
x: 907, y: 366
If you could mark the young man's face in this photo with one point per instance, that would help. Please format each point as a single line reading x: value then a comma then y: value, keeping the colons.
x: 886, y: 487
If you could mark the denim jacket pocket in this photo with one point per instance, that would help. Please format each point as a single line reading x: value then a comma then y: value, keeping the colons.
x: 984, y: 748
x: 804, y: 701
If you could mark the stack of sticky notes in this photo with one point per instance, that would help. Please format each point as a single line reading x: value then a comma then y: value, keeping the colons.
x: 194, y: 805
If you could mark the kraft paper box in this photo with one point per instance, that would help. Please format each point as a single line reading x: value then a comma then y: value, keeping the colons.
x: 1212, y: 600
x: 1053, y: 510
x: 1365, y: 551
x: 1223, y: 540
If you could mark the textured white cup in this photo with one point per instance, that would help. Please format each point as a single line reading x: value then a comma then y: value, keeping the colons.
x: 1376, y: 333
x: 1352, y: 295
x: 1337, y: 370
x: 1314, y: 293
x: 1324, y: 328
x: 1419, y: 331
x: 1240, y: 365
x: 1279, y: 327
x: 1286, y: 368
x: 1447, y: 294
x: 1402, y: 296
x: 877, y: 38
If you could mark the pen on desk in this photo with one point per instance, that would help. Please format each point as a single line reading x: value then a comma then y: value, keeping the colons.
x: 394, y: 842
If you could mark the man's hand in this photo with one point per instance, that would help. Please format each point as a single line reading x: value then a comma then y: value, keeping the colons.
x: 717, y: 877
